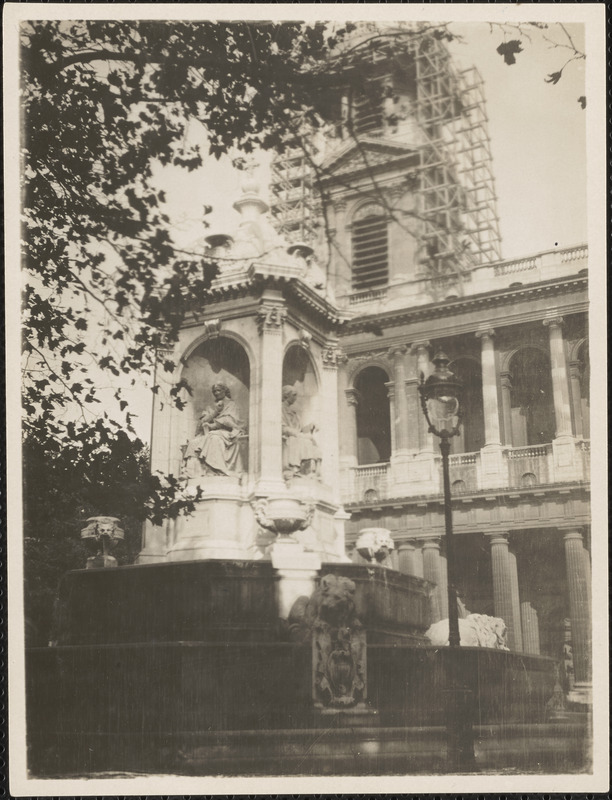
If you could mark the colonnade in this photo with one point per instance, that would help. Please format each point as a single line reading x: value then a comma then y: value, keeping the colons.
x: 424, y: 559
x: 409, y: 362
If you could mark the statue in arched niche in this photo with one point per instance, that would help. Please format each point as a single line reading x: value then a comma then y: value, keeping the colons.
x: 214, y: 450
x: 301, y: 453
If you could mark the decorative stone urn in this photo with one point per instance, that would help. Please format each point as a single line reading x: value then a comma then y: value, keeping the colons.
x: 103, y: 533
x: 374, y: 544
x: 283, y: 516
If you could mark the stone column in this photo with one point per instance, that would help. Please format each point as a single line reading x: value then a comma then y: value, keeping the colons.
x: 410, y: 559
x: 490, y: 401
x: 574, y: 371
x: 421, y: 350
x: 390, y: 387
x: 563, y: 418
x: 503, y: 587
x: 329, y: 436
x: 506, y: 390
x: 530, y: 628
x: 493, y: 468
x: 270, y: 317
x: 398, y: 356
x: 166, y: 456
x: 432, y: 572
x: 516, y: 602
x: 580, y: 616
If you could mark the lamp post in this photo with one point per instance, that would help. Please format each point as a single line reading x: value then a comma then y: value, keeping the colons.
x: 441, y: 398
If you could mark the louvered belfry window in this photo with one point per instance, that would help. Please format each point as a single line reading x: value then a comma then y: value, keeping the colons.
x: 370, y: 252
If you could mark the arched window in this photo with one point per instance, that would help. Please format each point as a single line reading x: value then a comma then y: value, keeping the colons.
x: 373, y: 417
x: 370, y: 248
x: 532, y: 406
x: 471, y: 433
x: 367, y: 111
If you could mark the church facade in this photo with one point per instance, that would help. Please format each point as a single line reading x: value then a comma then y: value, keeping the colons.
x: 321, y: 324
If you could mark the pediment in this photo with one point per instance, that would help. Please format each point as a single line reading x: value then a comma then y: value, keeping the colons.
x: 354, y: 157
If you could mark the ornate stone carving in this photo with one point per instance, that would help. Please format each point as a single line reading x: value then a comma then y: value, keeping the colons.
x: 283, y: 516
x: 301, y: 453
x: 215, y: 448
x: 475, y: 630
x: 305, y: 339
x: 212, y: 327
x: 352, y: 397
x: 104, y: 533
x: 329, y: 620
x: 553, y: 322
x: 332, y: 357
x: 270, y: 318
x: 374, y: 544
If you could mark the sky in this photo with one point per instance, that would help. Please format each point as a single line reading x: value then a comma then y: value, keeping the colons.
x: 537, y: 133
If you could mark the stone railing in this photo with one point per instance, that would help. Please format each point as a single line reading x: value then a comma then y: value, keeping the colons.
x: 568, y: 255
x: 518, y: 265
x: 521, y: 468
x: 370, y: 482
x: 529, y: 466
x: 367, y: 297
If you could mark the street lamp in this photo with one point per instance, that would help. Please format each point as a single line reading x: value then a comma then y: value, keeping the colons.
x: 441, y: 398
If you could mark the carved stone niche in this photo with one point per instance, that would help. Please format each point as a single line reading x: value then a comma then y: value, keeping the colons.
x: 328, y: 621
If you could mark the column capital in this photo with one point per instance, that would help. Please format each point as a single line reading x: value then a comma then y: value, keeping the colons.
x: 352, y: 396
x: 431, y: 544
x: 575, y: 369
x: 485, y: 334
x: 390, y: 387
x: 418, y: 347
x: 506, y: 379
x: 498, y: 538
x: 271, y: 317
x: 553, y: 322
x: 397, y: 351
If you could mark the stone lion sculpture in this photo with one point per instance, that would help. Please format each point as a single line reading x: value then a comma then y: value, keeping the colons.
x: 328, y: 620
x: 475, y: 630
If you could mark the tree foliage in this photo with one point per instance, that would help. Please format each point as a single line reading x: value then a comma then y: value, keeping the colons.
x: 103, y: 102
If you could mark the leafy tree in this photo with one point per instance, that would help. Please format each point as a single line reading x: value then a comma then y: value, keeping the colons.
x: 102, y: 103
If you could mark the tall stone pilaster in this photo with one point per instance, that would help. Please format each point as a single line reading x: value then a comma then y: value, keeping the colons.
x: 506, y: 392
x: 558, y: 366
x: 400, y: 421
x: 574, y: 373
x: 566, y: 464
x: 421, y: 350
x: 432, y: 572
x: 270, y: 317
x: 493, y: 469
x: 516, y: 602
x: 579, y: 604
x: 531, y: 629
x: 503, y: 587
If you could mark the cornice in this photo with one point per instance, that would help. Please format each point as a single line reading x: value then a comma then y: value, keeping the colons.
x: 468, y: 304
x: 485, y: 496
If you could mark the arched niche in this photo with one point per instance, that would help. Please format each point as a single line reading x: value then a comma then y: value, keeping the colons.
x: 531, y: 398
x: 373, y: 417
x: 299, y: 372
x: 471, y: 433
x: 218, y: 360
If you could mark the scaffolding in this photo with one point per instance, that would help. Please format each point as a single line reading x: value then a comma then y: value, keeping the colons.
x: 455, y: 190
x: 292, y: 196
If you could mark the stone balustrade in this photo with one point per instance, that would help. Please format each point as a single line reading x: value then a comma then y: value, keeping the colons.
x: 549, y: 264
x: 524, y: 468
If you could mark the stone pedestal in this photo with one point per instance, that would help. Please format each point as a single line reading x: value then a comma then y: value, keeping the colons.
x: 215, y: 528
x: 297, y: 570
